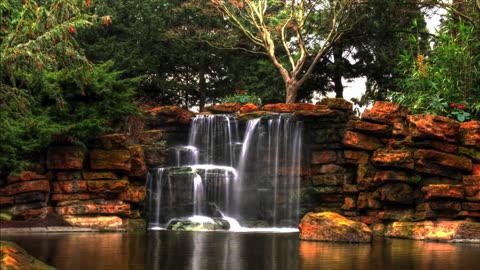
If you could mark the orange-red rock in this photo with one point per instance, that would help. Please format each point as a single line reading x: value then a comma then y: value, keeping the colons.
x: 329, y: 226
x: 470, y: 133
x: 435, y: 230
x: 431, y: 168
x: 30, y: 211
x: 137, y: 161
x: 170, y: 114
x: 469, y: 206
x: 288, y: 108
x: 356, y: 157
x: 399, y: 193
x: 443, y: 205
x: 336, y: 103
x: 391, y: 176
x: 71, y: 196
x: 4, y: 200
x: 115, y: 159
x: 349, y: 203
x: 74, y: 186
x: 249, y: 107
x: 472, y: 191
x: 111, y: 141
x: 13, y: 257
x: 471, y: 180
x: 155, y: 156
x: 385, y: 112
x: 475, y: 169
x: 323, y: 115
x: 468, y: 214
x: 65, y: 158
x: 99, y: 222
x: 69, y: 175
x: 134, y: 194
x: 361, y: 141
x: 393, y: 158
x: 400, y: 129
x: 322, y: 157
x: 443, y: 191
x: 107, y: 186
x: 29, y: 197
x: 95, y: 207
x: 225, y: 108
x: 27, y: 186
x: 433, y: 127
x: 151, y: 136
x: 328, y: 179
x: 369, y: 127
x: 25, y: 176
x: 424, y: 156
x: 106, y: 175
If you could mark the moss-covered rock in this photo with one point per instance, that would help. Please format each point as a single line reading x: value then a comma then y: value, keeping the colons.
x: 329, y: 226
x: 13, y: 257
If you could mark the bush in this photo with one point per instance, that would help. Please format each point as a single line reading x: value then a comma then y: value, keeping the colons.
x: 241, y: 96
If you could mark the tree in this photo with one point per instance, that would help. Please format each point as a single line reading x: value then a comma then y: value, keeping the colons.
x: 49, y: 90
x: 39, y: 36
x: 448, y: 73
x: 283, y: 30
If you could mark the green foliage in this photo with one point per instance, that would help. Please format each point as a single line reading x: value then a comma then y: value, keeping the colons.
x: 24, y: 131
x: 38, y: 36
x: 101, y: 104
x: 458, y: 112
x: 450, y: 73
x: 62, y: 110
x: 242, y: 96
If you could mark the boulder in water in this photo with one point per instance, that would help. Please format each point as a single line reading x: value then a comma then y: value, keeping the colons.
x: 12, y: 256
x: 329, y: 226
x: 198, y: 223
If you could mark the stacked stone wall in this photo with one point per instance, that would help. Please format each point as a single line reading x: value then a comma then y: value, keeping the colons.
x: 384, y: 166
x: 397, y: 167
x: 102, y: 185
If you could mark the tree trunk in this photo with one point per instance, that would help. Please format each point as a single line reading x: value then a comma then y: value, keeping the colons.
x: 202, y: 90
x: 338, y: 70
x: 202, y: 85
x: 291, y: 91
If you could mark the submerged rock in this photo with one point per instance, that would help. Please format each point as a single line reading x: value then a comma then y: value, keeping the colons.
x: 449, y: 231
x: 329, y: 226
x: 198, y: 224
x: 12, y: 257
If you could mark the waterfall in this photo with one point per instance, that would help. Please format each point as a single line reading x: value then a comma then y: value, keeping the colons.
x: 269, y: 170
x: 255, y: 181
x: 216, y: 136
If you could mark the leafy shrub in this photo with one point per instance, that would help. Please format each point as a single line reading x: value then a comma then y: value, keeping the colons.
x: 241, y: 96
x: 449, y: 73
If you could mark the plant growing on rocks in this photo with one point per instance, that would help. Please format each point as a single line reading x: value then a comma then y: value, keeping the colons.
x: 243, y: 97
x: 448, y: 72
x: 458, y: 112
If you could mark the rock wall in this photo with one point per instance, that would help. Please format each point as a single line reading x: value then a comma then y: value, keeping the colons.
x: 385, y: 166
x: 391, y: 166
x: 102, y: 185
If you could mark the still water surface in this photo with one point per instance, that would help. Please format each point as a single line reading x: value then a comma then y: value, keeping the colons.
x: 238, y: 251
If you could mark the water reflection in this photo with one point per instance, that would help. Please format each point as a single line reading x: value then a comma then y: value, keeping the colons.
x: 388, y: 254
x: 238, y: 251
x: 221, y: 250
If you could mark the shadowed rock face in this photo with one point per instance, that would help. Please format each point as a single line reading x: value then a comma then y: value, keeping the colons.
x: 13, y: 257
x: 329, y: 226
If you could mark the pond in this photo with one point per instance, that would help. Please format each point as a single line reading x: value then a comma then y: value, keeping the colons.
x: 238, y: 251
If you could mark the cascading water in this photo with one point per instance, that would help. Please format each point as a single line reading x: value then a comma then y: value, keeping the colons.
x: 255, y: 181
x: 269, y: 171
